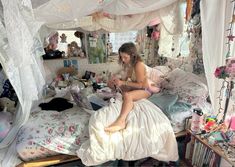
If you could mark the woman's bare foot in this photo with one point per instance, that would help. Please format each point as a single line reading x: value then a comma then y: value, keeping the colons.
x: 116, y: 126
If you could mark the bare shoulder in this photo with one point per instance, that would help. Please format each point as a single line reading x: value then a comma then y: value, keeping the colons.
x: 140, y: 65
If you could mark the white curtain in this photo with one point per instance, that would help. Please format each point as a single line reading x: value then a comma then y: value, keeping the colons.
x: 215, y: 18
x: 20, y: 56
x: 125, y: 15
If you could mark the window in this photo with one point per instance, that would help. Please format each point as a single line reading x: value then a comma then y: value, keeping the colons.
x: 117, y: 39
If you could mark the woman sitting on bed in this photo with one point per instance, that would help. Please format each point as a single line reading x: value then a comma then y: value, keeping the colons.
x: 137, y: 79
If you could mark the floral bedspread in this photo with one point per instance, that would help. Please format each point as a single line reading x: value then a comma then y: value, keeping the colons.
x: 51, y: 132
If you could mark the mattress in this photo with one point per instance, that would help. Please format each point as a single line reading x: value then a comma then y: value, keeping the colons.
x: 49, y: 133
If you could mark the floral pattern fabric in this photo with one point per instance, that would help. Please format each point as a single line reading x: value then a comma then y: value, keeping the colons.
x: 188, y: 86
x: 50, y: 132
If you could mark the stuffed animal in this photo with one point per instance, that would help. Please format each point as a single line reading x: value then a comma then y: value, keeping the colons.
x: 6, y: 103
x: 74, y: 50
x: 63, y: 38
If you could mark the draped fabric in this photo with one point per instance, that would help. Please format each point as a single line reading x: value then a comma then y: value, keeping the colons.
x: 20, y: 45
x: 215, y: 18
x: 20, y: 57
x: 112, y: 15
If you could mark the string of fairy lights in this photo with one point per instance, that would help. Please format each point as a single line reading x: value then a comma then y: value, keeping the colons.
x: 230, y: 35
x: 225, y: 84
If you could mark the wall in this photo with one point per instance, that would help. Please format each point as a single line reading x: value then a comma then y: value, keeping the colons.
x: 52, y: 66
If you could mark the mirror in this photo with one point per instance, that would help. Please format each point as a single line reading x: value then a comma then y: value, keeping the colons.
x: 97, y: 47
x: 72, y: 43
x: 65, y: 43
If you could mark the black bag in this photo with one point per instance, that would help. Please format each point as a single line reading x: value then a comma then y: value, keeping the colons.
x: 58, y: 104
x: 52, y: 54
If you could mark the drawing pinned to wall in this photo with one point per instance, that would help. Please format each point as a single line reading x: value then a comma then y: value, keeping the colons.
x: 96, y: 47
x: 69, y: 63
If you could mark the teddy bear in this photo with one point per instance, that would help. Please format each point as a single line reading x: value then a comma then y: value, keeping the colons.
x: 7, y: 104
x: 74, y: 50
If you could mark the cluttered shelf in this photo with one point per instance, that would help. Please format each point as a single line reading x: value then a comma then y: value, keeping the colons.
x: 204, y: 148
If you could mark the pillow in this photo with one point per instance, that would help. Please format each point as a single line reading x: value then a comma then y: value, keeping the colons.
x: 178, y: 107
x: 163, y: 101
x: 157, y: 74
x: 169, y: 103
x: 186, y: 85
x: 163, y: 69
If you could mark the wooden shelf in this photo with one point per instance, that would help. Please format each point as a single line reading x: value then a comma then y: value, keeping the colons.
x: 180, y: 134
x: 215, y: 148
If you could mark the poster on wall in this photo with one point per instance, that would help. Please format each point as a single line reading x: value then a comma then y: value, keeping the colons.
x: 71, y: 63
x: 96, y: 48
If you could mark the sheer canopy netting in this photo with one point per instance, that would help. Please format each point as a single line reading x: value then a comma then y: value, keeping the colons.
x: 215, y: 18
x: 20, y: 51
x: 112, y: 15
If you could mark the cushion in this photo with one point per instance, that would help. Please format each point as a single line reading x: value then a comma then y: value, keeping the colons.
x: 157, y: 74
x: 163, y: 69
x: 186, y: 85
x: 169, y: 103
x: 162, y: 100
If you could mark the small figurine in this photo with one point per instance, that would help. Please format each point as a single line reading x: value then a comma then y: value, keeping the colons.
x: 63, y: 38
x: 74, y: 50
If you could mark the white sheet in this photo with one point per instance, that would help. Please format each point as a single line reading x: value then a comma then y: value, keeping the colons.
x: 148, y: 134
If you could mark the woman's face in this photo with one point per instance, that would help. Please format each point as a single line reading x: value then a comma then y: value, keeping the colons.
x: 125, y: 57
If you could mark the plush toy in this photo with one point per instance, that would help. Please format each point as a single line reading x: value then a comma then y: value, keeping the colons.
x: 63, y: 38
x: 7, y: 104
x: 74, y: 50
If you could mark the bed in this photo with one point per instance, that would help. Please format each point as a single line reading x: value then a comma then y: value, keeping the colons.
x: 55, y: 133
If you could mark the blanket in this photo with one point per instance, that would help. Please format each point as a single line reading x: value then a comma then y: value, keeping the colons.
x: 148, y: 134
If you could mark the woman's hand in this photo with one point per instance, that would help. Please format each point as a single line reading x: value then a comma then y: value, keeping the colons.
x: 118, y: 82
x: 111, y: 84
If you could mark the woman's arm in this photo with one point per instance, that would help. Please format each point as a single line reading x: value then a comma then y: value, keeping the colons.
x: 140, y: 77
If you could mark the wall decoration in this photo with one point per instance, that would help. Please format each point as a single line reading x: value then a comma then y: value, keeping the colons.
x: 71, y: 63
x: 96, y: 48
x: 63, y: 38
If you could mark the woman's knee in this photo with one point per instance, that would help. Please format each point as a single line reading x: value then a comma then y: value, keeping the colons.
x: 127, y: 96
